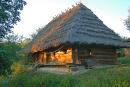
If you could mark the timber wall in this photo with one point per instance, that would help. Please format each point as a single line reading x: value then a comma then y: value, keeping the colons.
x: 98, y: 55
x: 105, y: 55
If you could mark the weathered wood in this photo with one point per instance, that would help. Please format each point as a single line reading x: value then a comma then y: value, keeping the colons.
x: 103, y: 49
x: 40, y: 58
x: 48, y: 57
x: 45, y: 57
x: 105, y: 56
x: 106, y: 61
x: 103, y: 53
x: 75, y: 55
x: 80, y: 54
x: 127, y: 51
x: 35, y: 57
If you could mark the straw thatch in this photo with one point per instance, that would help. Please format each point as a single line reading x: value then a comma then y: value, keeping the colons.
x: 128, y: 40
x: 77, y: 25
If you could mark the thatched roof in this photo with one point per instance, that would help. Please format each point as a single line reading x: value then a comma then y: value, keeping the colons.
x: 77, y: 25
x: 128, y: 40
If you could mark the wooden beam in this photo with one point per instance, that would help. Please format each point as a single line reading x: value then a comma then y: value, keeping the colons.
x: 44, y: 58
x: 75, y: 54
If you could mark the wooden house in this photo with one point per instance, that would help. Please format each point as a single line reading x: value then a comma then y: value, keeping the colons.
x: 75, y: 36
x: 127, y: 50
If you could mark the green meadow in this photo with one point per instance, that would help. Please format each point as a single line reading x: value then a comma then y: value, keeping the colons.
x: 118, y: 76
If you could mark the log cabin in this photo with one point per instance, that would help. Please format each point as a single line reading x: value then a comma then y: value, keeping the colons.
x: 75, y: 36
x: 127, y: 50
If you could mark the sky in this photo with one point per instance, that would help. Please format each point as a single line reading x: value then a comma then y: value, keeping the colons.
x: 37, y: 13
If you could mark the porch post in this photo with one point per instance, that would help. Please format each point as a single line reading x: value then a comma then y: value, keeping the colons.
x: 74, y: 54
x: 45, y: 57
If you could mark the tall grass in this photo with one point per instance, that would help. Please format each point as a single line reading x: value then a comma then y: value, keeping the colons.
x: 110, y: 77
x: 32, y: 79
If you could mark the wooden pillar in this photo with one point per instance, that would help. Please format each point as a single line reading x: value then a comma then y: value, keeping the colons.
x: 48, y: 57
x: 74, y: 55
x: 36, y: 57
x: 45, y: 57
x: 41, y: 57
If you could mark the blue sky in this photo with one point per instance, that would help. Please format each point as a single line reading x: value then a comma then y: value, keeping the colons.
x: 37, y: 13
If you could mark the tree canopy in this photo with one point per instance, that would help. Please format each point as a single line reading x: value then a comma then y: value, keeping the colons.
x: 127, y: 21
x: 9, y: 15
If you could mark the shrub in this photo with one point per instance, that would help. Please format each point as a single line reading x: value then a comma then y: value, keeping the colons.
x: 5, y: 63
x: 17, y: 68
x: 124, y: 60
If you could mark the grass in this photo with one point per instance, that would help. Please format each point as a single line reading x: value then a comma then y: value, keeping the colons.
x: 109, y: 77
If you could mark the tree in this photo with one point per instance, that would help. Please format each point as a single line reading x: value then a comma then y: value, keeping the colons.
x: 9, y: 52
x: 9, y: 15
x: 127, y: 21
x: 13, y: 38
x: 5, y: 61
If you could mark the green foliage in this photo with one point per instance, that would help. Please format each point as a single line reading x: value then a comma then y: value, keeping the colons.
x: 127, y: 21
x: 120, y: 52
x: 7, y: 56
x: 13, y: 38
x: 110, y: 77
x: 124, y: 60
x: 10, y: 52
x: 9, y: 14
x: 5, y: 62
x: 17, y: 68
x: 10, y: 49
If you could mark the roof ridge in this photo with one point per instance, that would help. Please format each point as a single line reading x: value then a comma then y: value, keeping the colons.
x: 74, y: 8
x: 67, y: 11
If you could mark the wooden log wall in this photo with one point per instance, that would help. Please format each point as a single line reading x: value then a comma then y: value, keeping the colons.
x: 83, y: 54
x: 105, y: 55
x: 80, y: 54
x: 98, y: 54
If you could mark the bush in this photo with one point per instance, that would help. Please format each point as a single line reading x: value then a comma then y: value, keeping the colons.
x: 9, y: 54
x: 124, y: 60
x: 5, y: 63
x: 17, y: 68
